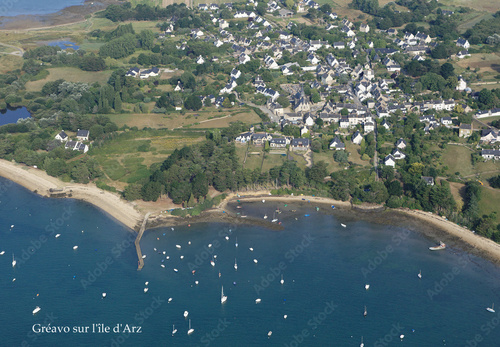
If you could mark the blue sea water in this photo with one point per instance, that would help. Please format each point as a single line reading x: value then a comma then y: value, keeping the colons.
x: 30, y: 7
x: 11, y: 115
x: 325, y: 268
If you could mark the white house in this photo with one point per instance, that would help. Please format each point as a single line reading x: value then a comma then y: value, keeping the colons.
x: 336, y: 144
x: 401, y: 144
x: 62, y: 136
x: 389, y: 161
x: 82, y: 135
x: 463, y: 43
x: 200, y: 60
x: 357, y: 138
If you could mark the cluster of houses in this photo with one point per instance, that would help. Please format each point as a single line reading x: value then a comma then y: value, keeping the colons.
x: 75, y: 145
x: 143, y: 73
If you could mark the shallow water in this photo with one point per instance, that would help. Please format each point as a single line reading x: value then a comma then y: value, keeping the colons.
x: 32, y: 7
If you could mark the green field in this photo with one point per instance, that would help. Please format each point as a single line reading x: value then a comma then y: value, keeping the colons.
x: 71, y: 74
x: 458, y: 159
x: 490, y: 201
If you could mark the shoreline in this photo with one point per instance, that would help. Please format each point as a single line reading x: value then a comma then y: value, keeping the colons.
x: 130, y: 216
x: 39, y: 182
x: 65, y: 16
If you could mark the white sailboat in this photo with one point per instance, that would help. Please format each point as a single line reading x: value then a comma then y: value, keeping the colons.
x: 258, y: 301
x: 36, y: 310
x: 265, y: 216
x: 173, y: 330
x: 223, y: 298
x: 365, y: 313
x: 14, y: 262
x: 441, y: 246
x: 420, y: 274
x: 255, y: 261
x: 2, y: 252
x: 146, y: 290
x: 343, y: 225
x: 104, y: 295
x: 191, y: 330
x: 236, y: 244
x: 274, y: 218
x: 491, y: 309
x: 367, y: 286
x: 186, y: 313
x: 235, y: 265
x: 212, y: 262
x: 282, y: 280
x: 362, y: 344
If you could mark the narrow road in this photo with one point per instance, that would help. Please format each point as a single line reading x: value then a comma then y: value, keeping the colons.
x: 19, y: 51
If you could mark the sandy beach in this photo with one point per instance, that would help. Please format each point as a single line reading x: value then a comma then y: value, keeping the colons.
x: 131, y: 216
x: 38, y: 181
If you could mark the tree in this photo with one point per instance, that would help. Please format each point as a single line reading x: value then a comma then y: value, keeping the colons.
x: 117, y: 104
x: 132, y: 192
x: 151, y: 191
x: 193, y: 102
x: 341, y: 156
x: 315, y: 97
x: 146, y: 39
x: 447, y: 70
x: 317, y: 172
x: 283, y: 101
x: 80, y: 173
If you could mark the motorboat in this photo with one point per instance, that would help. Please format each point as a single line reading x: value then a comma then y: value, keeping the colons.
x: 75, y: 247
x: 367, y: 286
x: 146, y: 290
x: 223, y: 298
x: 282, y: 280
x: 104, y: 295
x: 36, y: 310
x: 186, y: 313
x: 491, y: 309
x: 441, y: 246
x: 255, y: 261
x: 420, y: 274
x: 258, y: 301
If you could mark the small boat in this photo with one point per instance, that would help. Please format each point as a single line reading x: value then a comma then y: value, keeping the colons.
x: 168, y: 257
x: 263, y: 201
x: 227, y: 238
x: 175, y: 270
x: 362, y: 344
x: 144, y: 256
x: 36, y: 310
x: 178, y: 246
x: 164, y: 252
x: 235, y: 265
x: 285, y: 316
x: 75, y: 247
x: 212, y: 262
x: 442, y: 245
x: 491, y: 309
x: 12, y: 226
x: 191, y: 330
x: 274, y: 220
x: 258, y: 301
x: 255, y: 261
x: 306, y: 215
x: 420, y: 274
x: 365, y: 313
x: 14, y: 262
x: 333, y: 207
x: 162, y: 265
x: 401, y: 336
x: 182, y: 257
x: 209, y: 245
x: 173, y: 330
x: 251, y: 249
x: 269, y: 333
x: 236, y: 244
x: 367, y: 286
x: 146, y: 290
x: 223, y: 298
x: 265, y: 216
x: 189, y: 242
x: 154, y: 249
x: 282, y: 280
x: 317, y: 208
x: 58, y: 235
x: 146, y: 283
x: 170, y: 300
x: 343, y: 225
x: 2, y: 252
x: 186, y: 313
x: 104, y: 295
x: 219, y: 274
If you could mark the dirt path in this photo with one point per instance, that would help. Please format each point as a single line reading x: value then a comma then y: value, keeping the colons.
x: 19, y: 51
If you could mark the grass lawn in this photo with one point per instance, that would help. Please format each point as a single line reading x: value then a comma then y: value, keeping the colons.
x: 327, y: 157
x: 484, y: 5
x: 208, y: 118
x: 490, y: 202
x: 10, y: 62
x: 298, y: 156
x: 71, y: 74
x: 457, y: 191
x: 254, y: 158
x: 458, y: 159
x: 272, y: 160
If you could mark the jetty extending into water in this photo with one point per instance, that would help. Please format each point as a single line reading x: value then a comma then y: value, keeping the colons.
x: 138, y: 241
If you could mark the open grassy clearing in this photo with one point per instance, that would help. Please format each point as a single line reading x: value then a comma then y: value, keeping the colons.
x: 490, y: 201
x: 71, y: 74
x: 205, y: 119
x: 254, y: 158
x: 470, y: 19
x: 272, y: 160
x: 327, y: 157
x: 458, y: 159
x: 10, y: 62
x: 483, y: 5
x: 298, y: 156
x: 486, y: 62
x: 457, y: 190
